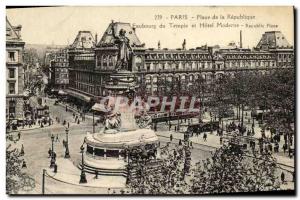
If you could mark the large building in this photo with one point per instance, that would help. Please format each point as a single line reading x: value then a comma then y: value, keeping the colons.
x: 91, y: 66
x: 14, y: 72
x: 82, y: 65
x: 59, y: 68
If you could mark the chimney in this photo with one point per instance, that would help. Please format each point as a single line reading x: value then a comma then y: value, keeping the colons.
x: 96, y: 39
x: 241, y: 39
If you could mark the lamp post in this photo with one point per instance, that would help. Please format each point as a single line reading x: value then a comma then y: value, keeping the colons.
x: 93, y: 121
x: 67, y: 153
x: 82, y: 175
x: 52, y: 161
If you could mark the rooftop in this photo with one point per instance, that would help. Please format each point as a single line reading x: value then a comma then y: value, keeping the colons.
x: 273, y: 40
x: 83, y: 40
x: 112, y: 32
x: 13, y: 32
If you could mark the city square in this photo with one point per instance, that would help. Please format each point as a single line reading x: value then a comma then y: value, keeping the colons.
x: 108, y: 116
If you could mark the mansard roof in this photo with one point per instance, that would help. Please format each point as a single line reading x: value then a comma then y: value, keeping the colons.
x: 110, y: 35
x: 273, y: 40
x: 83, y: 40
x: 12, y: 32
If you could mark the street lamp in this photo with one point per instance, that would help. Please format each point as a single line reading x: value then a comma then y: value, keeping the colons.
x: 52, y: 161
x: 67, y: 153
x: 93, y: 121
x: 82, y: 175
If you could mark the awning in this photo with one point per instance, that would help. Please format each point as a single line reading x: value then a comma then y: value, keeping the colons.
x: 99, y: 107
x: 79, y: 95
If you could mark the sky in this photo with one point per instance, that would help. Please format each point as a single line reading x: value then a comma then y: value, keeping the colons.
x: 60, y: 25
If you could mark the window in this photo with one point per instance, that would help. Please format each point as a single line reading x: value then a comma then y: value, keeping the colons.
x: 12, y: 56
x: 12, y: 108
x: 11, y: 73
x: 12, y: 89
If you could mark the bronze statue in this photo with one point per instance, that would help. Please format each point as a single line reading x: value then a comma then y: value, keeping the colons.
x: 125, y: 51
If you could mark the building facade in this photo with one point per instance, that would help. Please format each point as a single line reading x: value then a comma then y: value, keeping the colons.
x: 14, y: 72
x: 157, y: 68
x: 82, y: 65
x: 59, y: 68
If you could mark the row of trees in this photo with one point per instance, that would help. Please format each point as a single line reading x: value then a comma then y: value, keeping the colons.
x: 228, y: 170
x: 165, y: 176
x: 272, y: 92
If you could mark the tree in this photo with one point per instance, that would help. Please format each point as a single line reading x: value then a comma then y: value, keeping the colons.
x: 229, y: 170
x: 199, y: 89
x: 282, y: 101
x: 16, y: 179
x: 164, y: 176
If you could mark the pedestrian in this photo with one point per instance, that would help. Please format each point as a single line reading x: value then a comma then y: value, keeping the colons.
x: 270, y: 147
x: 49, y: 153
x: 22, y: 151
x: 204, y: 136
x: 19, y: 135
x: 24, y: 165
x: 73, y: 115
x: 64, y: 143
x: 284, y: 147
x: 171, y: 137
x: 221, y: 140
x: 191, y: 144
x: 294, y: 176
x: 180, y: 142
x: 55, y: 168
x: 276, y: 147
x: 66, y: 108
x: 175, y: 128
x: 57, y: 139
x: 291, y: 141
x: 282, y: 177
x: 96, y: 174
x: 290, y: 152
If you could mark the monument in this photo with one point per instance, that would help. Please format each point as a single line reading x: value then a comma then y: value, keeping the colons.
x: 106, y: 150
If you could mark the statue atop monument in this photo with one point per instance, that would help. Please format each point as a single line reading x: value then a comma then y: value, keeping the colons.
x: 125, y: 51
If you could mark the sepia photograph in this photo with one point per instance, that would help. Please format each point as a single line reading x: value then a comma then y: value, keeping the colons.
x: 150, y: 100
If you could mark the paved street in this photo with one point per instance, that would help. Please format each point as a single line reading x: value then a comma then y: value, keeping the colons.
x: 37, y: 141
